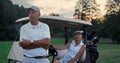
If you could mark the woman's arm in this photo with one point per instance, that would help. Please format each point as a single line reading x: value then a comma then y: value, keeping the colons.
x: 62, y: 47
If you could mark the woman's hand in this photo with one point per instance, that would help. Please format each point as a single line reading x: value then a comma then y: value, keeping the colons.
x: 70, y: 61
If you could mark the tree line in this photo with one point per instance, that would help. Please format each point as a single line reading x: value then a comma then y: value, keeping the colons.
x: 110, y: 27
x: 9, y: 12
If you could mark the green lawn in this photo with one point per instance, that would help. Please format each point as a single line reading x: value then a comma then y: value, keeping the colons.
x: 4, y: 50
x: 109, y: 53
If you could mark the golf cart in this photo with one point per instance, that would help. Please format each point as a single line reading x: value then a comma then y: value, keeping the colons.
x: 16, y: 53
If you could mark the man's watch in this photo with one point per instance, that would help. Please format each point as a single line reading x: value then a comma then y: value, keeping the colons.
x: 31, y: 41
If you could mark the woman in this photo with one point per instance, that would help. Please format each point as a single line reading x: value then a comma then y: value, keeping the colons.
x: 75, y: 49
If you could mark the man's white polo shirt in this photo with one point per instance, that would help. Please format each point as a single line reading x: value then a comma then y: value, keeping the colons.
x: 37, y: 32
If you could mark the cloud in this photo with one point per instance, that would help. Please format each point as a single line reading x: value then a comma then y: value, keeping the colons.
x: 24, y: 3
x: 49, y: 6
x: 62, y: 7
x: 68, y: 14
x: 58, y: 6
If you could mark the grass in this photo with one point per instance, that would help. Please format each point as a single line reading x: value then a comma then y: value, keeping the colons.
x: 4, y: 50
x: 59, y: 41
x: 109, y: 53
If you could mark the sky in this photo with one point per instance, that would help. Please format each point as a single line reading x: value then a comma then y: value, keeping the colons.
x: 62, y: 7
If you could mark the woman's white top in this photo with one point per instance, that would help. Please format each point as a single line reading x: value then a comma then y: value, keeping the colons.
x: 73, y: 49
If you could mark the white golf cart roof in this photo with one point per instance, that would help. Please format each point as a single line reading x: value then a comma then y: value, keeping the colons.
x: 58, y: 21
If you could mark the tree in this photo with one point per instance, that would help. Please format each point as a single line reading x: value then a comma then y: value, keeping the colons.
x: 111, y: 23
x: 88, y: 10
x: 54, y: 14
x: 112, y: 28
x: 112, y: 6
x: 9, y: 13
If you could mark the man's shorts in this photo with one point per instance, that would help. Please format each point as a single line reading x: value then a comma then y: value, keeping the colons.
x: 33, y: 60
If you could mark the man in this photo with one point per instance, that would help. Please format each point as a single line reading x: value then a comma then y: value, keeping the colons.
x: 75, y: 49
x: 35, y: 38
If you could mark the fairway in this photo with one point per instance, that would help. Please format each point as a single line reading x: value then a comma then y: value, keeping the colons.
x: 109, y: 53
x: 4, y: 50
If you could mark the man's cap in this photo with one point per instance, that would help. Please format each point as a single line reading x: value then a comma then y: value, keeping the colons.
x: 35, y: 8
x: 77, y: 32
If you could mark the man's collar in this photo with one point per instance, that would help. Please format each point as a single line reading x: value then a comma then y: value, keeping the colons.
x: 34, y: 25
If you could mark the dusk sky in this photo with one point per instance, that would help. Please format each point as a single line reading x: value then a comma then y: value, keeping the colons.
x: 63, y: 7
